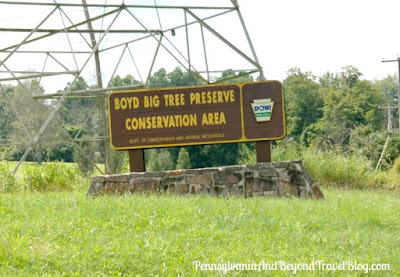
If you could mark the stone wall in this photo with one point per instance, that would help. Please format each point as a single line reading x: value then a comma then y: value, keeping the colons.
x: 261, y: 179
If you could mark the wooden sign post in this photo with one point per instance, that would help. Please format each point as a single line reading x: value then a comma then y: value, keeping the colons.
x: 198, y: 115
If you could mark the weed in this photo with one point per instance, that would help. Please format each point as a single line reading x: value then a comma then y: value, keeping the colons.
x: 7, y: 179
x: 51, y: 177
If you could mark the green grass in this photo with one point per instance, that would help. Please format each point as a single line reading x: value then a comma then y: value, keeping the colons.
x: 29, y: 165
x: 67, y: 233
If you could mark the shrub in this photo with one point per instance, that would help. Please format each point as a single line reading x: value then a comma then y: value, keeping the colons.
x: 369, y: 143
x: 51, y: 177
x: 396, y: 166
x: 339, y: 169
x: 7, y: 180
x: 330, y: 167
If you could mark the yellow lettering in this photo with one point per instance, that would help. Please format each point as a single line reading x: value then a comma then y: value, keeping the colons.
x: 135, y: 102
x: 123, y: 103
x: 209, y: 97
x: 220, y: 99
x: 142, y: 123
x: 134, y: 123
x: 222, y: 119
x: 166, y: 100
x: 214, y: 97
x: 165, y: 120
x: 203, y: 97
x: 116, y: 104
x: 148, y: 123
x: 151, y: 101
x: 146, y: 102
x: 159, y: 122
x: 193, y: 120
x: 171, y: 99
x: 192, y: 97
x: 204, y: 120
x: 127, y: 124
x: 156, y: 101
x: 210, y: 119
x: 217, y: 118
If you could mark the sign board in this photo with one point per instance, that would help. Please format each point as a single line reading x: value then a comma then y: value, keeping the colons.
x: 197, y: 115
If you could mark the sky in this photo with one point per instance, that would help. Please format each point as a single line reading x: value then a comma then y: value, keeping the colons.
x: 313, y: 35
x: 324, y: 35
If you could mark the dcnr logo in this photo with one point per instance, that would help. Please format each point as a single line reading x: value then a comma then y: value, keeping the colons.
x: 262, y: 108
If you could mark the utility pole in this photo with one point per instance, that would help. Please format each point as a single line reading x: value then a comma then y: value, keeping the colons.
x: 389, y: 115
x: 398, y: 92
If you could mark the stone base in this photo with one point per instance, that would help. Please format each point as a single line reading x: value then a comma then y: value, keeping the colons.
x: 280, y: 179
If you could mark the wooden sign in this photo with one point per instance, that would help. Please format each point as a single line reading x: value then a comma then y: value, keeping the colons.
x: 197, y: 115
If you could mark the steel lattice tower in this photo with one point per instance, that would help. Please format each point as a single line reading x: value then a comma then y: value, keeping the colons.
x: 78, y: 38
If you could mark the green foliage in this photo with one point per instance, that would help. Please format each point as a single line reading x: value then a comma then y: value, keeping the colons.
x: 183, y: 159
x: 85, y: 158
x: 389, y: 86
x: 7, y: 179
x: 50, y: 177
x: 334, y: 167
x: 33, y: 113
x: 247, y: 153
x: 176, y: 78
x: 6, y: 114
x: 396, y: 166
x: 70, y: 234
x: 128, y: 80
x: 349, y: 102
x: 230, y: 76
x: 76, y: 111
x: 338, y: 169
x: 369, y: 143
x: 303, y: 103
x: 158, y: 160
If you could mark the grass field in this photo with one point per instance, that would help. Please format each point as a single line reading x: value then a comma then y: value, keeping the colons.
x: 67, y: 233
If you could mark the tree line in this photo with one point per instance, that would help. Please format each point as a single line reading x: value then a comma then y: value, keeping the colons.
x: 332, y: 111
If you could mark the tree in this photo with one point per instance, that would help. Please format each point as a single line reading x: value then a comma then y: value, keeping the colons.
x: 183, y: 160
x: 75, y: 111
x: 33, y: 114
x: 128, y: 80
x: 176, y: 78
x: 303, y: 103
x: 390, y: 87
x: 349, y: 103
x: 229, y: 76
x: 6, y: 115
x: 158, y: 160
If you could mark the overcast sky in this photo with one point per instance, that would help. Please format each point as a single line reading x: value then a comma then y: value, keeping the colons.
x: 322, y: 35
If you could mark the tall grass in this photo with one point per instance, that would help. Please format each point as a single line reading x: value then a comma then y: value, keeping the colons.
x: 53, y: 176
x: 338, y: 169
x: 7, y: 179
